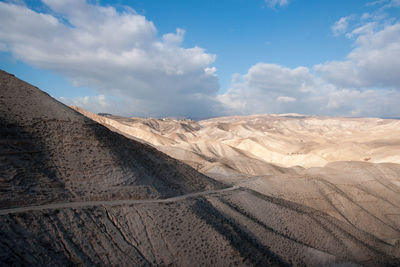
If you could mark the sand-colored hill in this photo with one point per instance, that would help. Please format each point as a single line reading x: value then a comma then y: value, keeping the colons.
x: 264, y: 144
x: 345, y: 167
x: 75, y: 193
x: 285, y: 140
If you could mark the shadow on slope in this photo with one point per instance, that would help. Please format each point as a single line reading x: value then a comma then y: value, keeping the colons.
x: 53, y: 153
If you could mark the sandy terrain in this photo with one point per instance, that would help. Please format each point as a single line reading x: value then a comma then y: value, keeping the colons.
x: 285, y: 140
x: 72, y: 192
x: 345, y: 167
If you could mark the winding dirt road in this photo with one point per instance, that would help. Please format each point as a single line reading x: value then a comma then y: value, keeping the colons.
x: 80, y: 204
x: 112, y: 202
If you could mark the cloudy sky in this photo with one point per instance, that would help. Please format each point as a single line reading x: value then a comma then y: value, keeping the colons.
x: 206, y: 58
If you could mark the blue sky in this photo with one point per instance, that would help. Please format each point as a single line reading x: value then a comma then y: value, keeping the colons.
x: 242, y: 33
x: 270, y: 56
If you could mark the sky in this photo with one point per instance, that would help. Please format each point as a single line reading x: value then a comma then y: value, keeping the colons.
x: 207, y: 58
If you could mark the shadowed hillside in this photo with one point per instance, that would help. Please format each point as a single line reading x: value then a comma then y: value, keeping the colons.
x: 50, y: 152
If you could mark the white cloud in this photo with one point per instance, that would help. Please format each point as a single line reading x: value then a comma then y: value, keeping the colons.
x: 377, y: 2
x: 340, y: 26
x: 210, y: 71
x: 265, y: 87
x: 365, y: 84
x: 116, y: 53
x: 285, y: 90
x: 274, y: 3
x: 373, y: 63
x: 98, y: 103
x: 236, y: 77
x: 174, y: 39
x: 136, y: 71
x: 386, y: 3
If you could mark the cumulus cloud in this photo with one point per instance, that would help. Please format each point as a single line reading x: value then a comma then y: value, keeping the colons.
x: 265, y: 87
x: 373, y: 63
x: 136, y: 71
x: 275, y: 3
x: 365, y: 84
x: 116, y: 53
x: 268, y: 88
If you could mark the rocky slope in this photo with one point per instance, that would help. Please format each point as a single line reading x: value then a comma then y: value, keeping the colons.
x: 75, y: 193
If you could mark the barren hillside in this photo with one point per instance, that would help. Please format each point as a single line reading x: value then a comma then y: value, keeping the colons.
x: 285, y: 140
x: 345, y: 167
x: 75, y: 193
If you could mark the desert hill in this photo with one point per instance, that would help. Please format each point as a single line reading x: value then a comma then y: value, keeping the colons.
x: 345, y: 167
x: 76, y: 193
x: 50, y: 153
x: 284, y: 140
